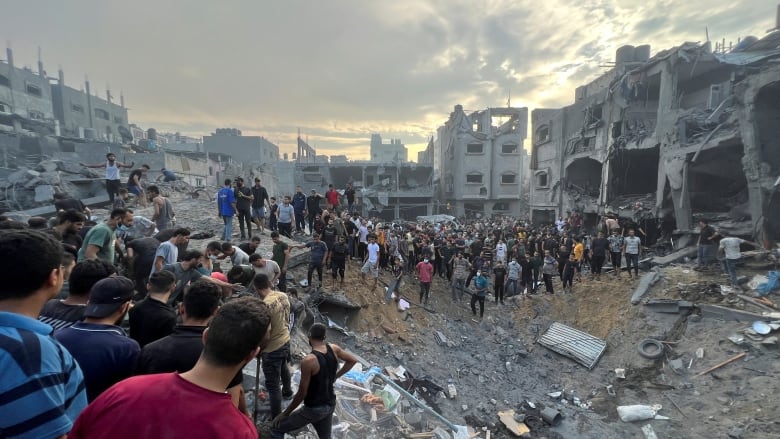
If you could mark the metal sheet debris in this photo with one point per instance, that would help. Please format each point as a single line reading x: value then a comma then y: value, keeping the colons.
x: 577, y: 345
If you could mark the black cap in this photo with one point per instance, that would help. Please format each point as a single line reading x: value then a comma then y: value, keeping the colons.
x: 107, y: 295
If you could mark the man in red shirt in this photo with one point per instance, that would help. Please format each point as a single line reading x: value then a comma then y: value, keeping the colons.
x: 193, y: 403
x: 332, y: 198
x: 424, y: 270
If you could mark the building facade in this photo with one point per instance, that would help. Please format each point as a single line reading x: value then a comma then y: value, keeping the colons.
x: 84, y: 115
x: 395, y: 151
x: 479, y: 161
x: 247, y: 149
x: 24, y: 93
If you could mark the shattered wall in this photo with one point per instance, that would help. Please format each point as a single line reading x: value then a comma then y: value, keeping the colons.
x: 683, y: 135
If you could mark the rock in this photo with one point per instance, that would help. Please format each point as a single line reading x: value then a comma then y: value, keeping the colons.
x: 723, y: 400
x: 44, y: 193
x: 52, y: 178
x: 464, y: 407
x: 414, y: 419
x: 18, y: 177
x: 493, y: 401
x: 47, y: 166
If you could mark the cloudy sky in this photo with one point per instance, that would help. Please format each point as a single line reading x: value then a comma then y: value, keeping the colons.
x: 342, y: 69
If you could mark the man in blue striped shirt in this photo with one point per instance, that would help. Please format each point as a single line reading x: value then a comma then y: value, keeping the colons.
x: 41, y: 386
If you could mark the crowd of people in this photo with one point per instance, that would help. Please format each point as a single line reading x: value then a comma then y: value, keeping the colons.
x: 105, y: 322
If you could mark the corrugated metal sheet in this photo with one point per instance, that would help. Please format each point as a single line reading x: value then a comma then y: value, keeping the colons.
x: 577, y: 345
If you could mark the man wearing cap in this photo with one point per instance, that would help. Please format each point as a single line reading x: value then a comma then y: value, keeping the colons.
x: 29, y: 356
x: 100, y: 241
x: 103, y: 350
x: 259, y: 201
x: 188, y: 404
x: 152, y: 318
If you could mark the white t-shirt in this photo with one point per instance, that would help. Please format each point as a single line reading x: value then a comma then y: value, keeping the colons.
x: 373, y: 252
x: 271, y: 269
x: 731, y: 247
x: 632, y: 244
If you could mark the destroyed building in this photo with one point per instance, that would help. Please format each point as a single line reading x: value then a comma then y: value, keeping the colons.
x: 480, y: 162
x: 688, y: 133
x: 389, y: 190
x: 248, y: 149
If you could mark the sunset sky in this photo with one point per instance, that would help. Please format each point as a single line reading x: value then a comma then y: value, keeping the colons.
x: 340, y: 70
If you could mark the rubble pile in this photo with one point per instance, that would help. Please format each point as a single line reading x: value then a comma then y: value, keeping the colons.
x: 35, y: 186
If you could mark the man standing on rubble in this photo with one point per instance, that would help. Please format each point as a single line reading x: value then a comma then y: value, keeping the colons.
x: 278, y: 349
x: 299, y: 205
x: 706, y: 244
x: 226, y: 208
x: 113, y: 181
x: 424, y: 270
x: 319, y: 372
x: 598, y: 254
x: 615, y: 250
x: 632, y: 248
x: 259, y: 201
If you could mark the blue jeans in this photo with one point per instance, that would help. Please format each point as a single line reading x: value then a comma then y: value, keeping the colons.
x: 274, y: 367
x: 227, y: 233
x: 632, y: 260
x: 320, y: 417
x: 300, y: 221
x: 704, y: 254
x: 511, y: 287
x: 730, y: 267
x: 458, y: 285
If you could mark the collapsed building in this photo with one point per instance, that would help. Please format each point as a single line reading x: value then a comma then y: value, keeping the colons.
x: 390, y: 190
x: 689, y: 133
x: 479, y: 161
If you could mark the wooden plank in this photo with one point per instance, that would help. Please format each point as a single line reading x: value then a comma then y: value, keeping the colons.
x: 721, y: 364
x: 507, y: 418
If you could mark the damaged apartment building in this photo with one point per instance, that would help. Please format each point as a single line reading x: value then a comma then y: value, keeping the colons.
x: 480, y: 162
x: 387, y: 187
x: 690, y: 133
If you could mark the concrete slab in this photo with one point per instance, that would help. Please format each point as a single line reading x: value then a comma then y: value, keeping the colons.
x: 44, y: 192
x: 673, y: 257
x: 647, y: 281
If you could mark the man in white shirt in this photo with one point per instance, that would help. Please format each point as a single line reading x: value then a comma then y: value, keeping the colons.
x: 266, y: 267
x: 632, y: 248
x: 371, y: 261
x: 236, y: 255
x: 730, y: 248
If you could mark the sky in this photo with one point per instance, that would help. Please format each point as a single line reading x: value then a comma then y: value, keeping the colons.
x: 340, y: 70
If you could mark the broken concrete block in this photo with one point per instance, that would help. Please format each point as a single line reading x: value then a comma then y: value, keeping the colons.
x: 44, y: 193
x: 47, y: 166
x: 414, y: 419
x: 507, y: 418
x: 18, y: 177
x: 647, y: 281
x: 52, y: 178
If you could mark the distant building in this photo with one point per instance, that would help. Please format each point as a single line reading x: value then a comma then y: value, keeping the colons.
x: 247, y: 149
x: 395, y: 151
x: 24, y: 93
x: 479, y: 162
x: 84, y: 115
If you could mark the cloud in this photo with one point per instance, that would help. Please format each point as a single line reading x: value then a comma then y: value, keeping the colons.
x: 343, y: 69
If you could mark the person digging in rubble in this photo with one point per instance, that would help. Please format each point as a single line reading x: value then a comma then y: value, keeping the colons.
x: 100, y: 241
x: 319, y: 372
x: 481, y: 287
x: 113, y: 181
x: 729, y: 250
x: 134, y: 185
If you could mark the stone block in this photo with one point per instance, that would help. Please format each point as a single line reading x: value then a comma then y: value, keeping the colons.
x: 43, y: 193
x: 47, y: 166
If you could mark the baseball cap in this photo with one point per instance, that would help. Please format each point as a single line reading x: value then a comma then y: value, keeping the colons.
x: 107, y: 295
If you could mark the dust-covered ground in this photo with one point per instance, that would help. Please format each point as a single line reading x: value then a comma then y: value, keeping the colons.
x: 496, y: 363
